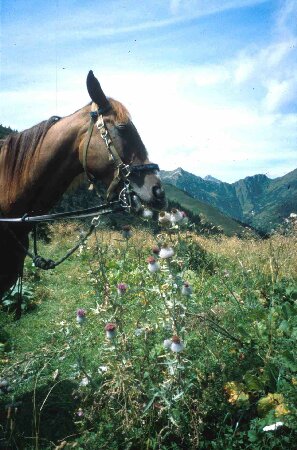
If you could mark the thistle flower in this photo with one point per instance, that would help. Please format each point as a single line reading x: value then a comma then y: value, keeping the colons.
x: 175, y: 216
x: 121, y: 288
x: 156, y: 250
x: 80, y: 316
x: 147, y: 213
x: 185, y: 218
x: 126, y: 231
x: 273, y: 427
x: 166, y: 252
x: 164, y: 218
x: 84, y: 382
x: 167, y: 343
x: 80, y: 412
x: 153, y: 265
x: 110, y: 329
x: 138, y: 331
x: 176, y: 344
x: 186, y: 289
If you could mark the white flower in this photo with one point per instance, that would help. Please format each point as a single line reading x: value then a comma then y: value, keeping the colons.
x: 80, y: 320
x: 273, y: 427
x: 176, y: 216
x: 84, y: 382
x: 293, y: 216
x: 147, y: 213
x: 153, y: 265
x: 164, y: 218
x: 186, y: 289
x: 102, y: 369
x: 138, y: 332
x: 167, y: 343
x: 166, y: 252
x: 176, y: 344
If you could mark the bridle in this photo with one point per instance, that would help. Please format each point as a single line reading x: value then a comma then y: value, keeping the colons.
x: 127, y: 198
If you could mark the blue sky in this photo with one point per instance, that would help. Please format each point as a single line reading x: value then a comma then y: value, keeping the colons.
x: 211, y: 84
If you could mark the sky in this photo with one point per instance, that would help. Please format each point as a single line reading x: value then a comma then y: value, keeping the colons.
x: 211, y: 84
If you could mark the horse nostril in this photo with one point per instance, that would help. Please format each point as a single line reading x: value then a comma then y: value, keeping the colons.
x: 158, y: 192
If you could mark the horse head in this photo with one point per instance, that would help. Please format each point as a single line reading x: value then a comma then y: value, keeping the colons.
x: 113, y: 151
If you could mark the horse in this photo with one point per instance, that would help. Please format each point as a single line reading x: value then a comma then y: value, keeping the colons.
x: 39, y: 164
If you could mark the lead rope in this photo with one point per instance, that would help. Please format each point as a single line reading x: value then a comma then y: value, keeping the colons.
x: 46, y: 263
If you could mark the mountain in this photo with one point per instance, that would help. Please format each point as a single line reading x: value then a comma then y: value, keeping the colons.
x: 211, y: 178
x: 220, y: 195
x: 206, y: 212
x: 257, y: 200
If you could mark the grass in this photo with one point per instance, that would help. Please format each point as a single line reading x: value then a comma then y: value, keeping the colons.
x: 69, y: 386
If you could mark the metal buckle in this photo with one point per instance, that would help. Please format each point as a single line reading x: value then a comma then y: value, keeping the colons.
x: 95, y: 221
x: 125, y: 170
x: 100, y: 122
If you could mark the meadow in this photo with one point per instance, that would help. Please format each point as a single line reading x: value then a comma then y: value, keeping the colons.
x: 140, y: 340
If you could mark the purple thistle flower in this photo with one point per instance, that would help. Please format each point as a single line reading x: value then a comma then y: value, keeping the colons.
x: 121, y: 288
x: 110, y: 329
x: 80, y: 316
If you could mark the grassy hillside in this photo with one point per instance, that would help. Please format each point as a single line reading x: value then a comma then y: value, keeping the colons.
x: 229, y: 226
x: 69, y: 385
x: 256, y: 200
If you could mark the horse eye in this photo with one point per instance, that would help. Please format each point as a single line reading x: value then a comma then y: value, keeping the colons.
x: 121, y: 126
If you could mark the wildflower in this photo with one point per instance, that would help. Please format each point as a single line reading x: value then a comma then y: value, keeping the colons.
x: 185, y: 218
x: 167, y: 343
x: 147, y: 213
x: 126, y: 231
x: 121, y: 288
x: 102, y: 369
x: 84, y: 382
x: 166, y: 252
x: 80, y: 412
x: 164, y: 218
x: 176, y: 216
x: 156, y: 250
x: 273, y: 427
x: 138, y: 332
x: 186, y: 289
x: 110, y: 329
x: 293, y: 216
x: 176, y: 344
x: 80, y: 316
x: 153, y: 265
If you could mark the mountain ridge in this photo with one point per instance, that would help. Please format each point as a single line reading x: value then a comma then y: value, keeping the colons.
x: 257, y: 200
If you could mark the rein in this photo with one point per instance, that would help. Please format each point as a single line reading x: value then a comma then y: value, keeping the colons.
x: 126, y: 199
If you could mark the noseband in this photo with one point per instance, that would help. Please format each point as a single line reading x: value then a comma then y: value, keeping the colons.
x: 122, y: 170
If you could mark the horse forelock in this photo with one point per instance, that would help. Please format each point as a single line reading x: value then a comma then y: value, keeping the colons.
x: 121, y: 113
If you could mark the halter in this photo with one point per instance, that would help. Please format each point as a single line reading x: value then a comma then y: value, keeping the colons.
x: 122, y: 170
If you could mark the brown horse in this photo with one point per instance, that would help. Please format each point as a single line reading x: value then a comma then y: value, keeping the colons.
x: 38, y: 165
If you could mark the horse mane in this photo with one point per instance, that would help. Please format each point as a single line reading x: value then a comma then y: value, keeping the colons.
x: 18, y: 150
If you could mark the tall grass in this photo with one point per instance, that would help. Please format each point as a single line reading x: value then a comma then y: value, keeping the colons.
x: 208, y: 367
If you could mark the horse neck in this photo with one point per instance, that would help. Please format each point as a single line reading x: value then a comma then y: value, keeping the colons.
x: 54, y: 166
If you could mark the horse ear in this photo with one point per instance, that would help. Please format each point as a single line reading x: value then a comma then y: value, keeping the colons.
x: 95, y: 91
